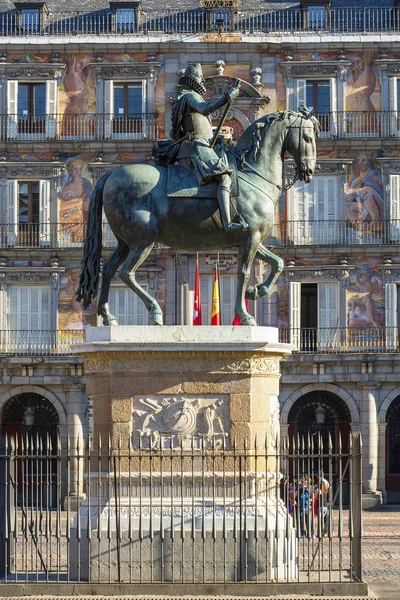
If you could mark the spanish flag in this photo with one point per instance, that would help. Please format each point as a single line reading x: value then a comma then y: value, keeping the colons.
x: 215, y: 308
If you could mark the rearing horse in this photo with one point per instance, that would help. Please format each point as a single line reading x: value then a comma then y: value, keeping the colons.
x: 140, y: 213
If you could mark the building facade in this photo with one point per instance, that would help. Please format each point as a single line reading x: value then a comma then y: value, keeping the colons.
x: 82, y: 93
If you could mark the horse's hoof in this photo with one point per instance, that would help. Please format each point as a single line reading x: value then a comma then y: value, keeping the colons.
x: 156, y: 316
x: 252, y: 293
x: 110, y: 321
x: 249, y: 321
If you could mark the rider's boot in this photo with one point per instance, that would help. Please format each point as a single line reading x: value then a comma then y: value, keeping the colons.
x: 224, y: 198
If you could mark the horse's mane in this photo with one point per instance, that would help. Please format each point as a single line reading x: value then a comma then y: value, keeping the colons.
x: 249, y: 141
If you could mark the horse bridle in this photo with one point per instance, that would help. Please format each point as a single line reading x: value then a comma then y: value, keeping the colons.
x: 298, y: 169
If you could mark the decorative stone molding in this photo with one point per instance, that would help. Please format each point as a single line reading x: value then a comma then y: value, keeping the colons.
x: 220, y: 66
x: 148, y: 70
x: 31, y: 71
x: 257, y: 72
x: 173, y: 420
x: 97, y: 365
x: 336, y: 272
x: 311, y: 69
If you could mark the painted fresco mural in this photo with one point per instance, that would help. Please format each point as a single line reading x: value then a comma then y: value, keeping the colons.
x: 365, y: 296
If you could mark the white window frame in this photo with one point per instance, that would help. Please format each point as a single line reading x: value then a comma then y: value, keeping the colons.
x: 206, y: 290
x: 394, y: 121
x: 109, y: 110
x: 50, y: 128
x: 137, y: 302
x: 394, y: 208
x: 11, y: 211
x: 299, y: 97
x: 26, y: 337
x: 391, y: 325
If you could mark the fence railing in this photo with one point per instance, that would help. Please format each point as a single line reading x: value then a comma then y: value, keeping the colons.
x: 343, y: 340
x: 179, y: 19
x: 44, y: 342
x: 345, y: 232
x: 309, y: 340
x: 50, y: 235
x: 91, y: 127
x: 187, y: 512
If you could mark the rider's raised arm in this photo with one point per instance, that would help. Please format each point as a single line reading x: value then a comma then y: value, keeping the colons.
x: 206, y: 108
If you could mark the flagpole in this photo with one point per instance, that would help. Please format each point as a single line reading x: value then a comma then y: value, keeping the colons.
x: 197, y: 298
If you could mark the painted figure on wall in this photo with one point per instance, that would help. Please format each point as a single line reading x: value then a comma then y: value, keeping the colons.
x: 364, y: 195
x: 77, y: 90
x: 366, y: 298
x: 362, y: 83
x: 74, y: 200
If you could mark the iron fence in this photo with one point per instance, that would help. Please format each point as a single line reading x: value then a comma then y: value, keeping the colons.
x: 182, y: 18
x: 181, y: 510
x: 342, y: 340
x: 90, y: 127
x: 344, y: 232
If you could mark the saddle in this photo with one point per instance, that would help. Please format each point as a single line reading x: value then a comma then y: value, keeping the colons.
x: 182, y: 183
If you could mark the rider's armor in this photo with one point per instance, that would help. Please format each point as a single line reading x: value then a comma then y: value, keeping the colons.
x: 191, y: 127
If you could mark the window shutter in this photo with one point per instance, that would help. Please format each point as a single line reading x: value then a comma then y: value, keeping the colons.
x: 327, y: 314
x: 108, y: 108
x: 146, y: 120
x: 391, y: 315
x: 394, y: 212
x: 12, y: 212
x: 109, y: 239
x: 227, y: 298
x: 206, y: 283
x: 300, y: 93
x: 127, y: 307
x: 12, y: 109
x: 29, y: 316
x: 294, y: 313
x: 334, y: 115
x: 393, y: 105
x: 51, y: 108
x: 326, y: 203
x: 299, y: 199
x: 44, y: 212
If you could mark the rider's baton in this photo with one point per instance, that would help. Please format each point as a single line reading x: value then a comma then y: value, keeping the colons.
x: 222, y: 121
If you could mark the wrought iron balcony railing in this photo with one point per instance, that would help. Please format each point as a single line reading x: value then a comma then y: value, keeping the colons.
x: 50, y: 235
x: 49, y: 342
x: 309, y: 340
x: 343, y: 340
x: 339, y: 233
x: 90, y: 127
x: 182, y: 18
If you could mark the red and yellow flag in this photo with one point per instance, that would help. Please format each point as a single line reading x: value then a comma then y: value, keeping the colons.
x: 197, y: 299
x: 215, y: 308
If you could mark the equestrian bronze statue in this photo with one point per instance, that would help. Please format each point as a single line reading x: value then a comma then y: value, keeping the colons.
x: 212, y: 199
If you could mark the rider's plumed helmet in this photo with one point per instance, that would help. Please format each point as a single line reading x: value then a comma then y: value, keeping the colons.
x: 193, y: 79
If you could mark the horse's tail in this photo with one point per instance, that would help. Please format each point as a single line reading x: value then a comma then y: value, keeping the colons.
x: 89, y: 279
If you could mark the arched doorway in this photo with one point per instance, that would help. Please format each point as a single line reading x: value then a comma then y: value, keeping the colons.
x: 393, y: 451
x: 33, y: 422
x: 320, y: 415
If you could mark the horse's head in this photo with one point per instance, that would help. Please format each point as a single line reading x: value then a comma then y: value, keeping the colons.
x: 302, y: 131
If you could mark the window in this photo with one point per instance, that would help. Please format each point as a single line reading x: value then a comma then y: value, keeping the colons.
x: 125, y: 109
x: 394, y: 106
x: 221, y: 19
x: 316, y: 17
x: 321, y: 96
x: 28, y: 212
x: 125, y: 19
x: 28, y: 313
x: 127, y: 307
x: 227, y: 290
x: 391, y: 315
x: 314, y: 212
x: 394, y: 209
x: 314, y: 316
x: 31, y: 108
x: 30, y: 19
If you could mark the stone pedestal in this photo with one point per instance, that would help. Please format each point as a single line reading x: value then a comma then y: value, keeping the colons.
x: 205, y: 391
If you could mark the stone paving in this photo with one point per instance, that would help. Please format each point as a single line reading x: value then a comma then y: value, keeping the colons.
x: 381, y: 551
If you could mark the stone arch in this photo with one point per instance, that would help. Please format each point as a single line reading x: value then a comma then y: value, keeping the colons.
x: 386, y: 403
x: 315, y: 387
x: 36, y: 389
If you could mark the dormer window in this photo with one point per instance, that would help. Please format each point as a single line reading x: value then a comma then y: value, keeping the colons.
x: 30, y: 15
x: 126, y: 16
x: 316, y: 17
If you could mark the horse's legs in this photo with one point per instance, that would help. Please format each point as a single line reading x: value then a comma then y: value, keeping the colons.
x: 277, y: 264
x: 110, y: 267
x: 127, y: 273
x: 248, y: 249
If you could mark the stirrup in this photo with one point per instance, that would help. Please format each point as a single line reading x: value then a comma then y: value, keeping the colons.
x: 235, y: 226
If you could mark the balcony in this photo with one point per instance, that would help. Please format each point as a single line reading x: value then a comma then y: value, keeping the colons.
x: 335, y: 340
x: 49, y: 342
x: 50, y: 235
x: 342, y: 340
x: 187, y: 18
x: 89, y: 127
x: 339, y: 233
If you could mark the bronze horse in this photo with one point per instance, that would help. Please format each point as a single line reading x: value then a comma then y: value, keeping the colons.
x: 140, y: 213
